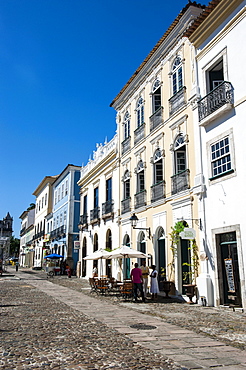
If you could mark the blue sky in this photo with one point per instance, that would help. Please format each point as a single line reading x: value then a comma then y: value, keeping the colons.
x: 62, y: 62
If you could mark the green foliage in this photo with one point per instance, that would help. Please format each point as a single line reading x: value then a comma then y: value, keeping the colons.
x: 191, y: 275
x: 14, y: 246
x: 175, y: 238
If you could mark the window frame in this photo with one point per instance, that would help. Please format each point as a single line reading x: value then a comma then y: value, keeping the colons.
x: 226, y: 174
x: 156, y: 93
x: 140, y: 176
x: 155, y: 162
x: 140, y: 112
x: 126, y: 125
x: 176, y: 73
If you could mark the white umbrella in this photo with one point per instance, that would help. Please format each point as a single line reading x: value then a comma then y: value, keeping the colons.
x: 98, y: 255
x: 126, y: 252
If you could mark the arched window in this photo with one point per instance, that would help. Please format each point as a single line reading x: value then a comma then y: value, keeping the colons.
x: 156, y: 95
x: 177, y: 75
x: 140, y: 112
x: 141, y: 246
x: 158, y: 166
x: 140, y: 177
x: 84, y: 253
x: 126, y: 125
x: 126, y: 184
x: 180, y: 154
x: 95, y: 243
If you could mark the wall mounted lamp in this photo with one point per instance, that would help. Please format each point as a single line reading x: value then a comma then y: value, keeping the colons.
x: 134, y: 220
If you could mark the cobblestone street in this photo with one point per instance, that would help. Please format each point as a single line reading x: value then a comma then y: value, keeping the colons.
x: 45, y: 324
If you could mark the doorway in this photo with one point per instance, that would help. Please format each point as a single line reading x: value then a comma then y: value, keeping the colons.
x: 228, y: 269
x: 84, y: 253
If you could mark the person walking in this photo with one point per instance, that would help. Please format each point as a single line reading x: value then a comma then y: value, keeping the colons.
x: 137, y: 279
x: 154, y: 288
x: 145, y: 275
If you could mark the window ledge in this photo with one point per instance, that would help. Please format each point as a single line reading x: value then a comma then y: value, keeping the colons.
x: 213, y: 116
x: 221, y: 175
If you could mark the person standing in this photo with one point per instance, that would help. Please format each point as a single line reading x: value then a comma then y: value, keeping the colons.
x: 137, y: 279
x: 154, y: 288
x: 16, y: 266
x: 145, y: 275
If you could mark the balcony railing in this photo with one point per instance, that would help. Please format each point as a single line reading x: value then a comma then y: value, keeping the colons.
x: 107, y: 207
x: 126, y: 205
x: 180, y: 181
x: 94, y: 214
x: 126, y: 145
x: 157, y: 191
x: 139, y: 133
x: 38, y: 235
x: 156, y: 119
x: 221, y: 95
x: 60, y: 231
x: 84, y: 219
x: 140, y: 199
x: 177, y: 101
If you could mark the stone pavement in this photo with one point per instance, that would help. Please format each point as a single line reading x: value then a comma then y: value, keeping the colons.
x: 182, y: 347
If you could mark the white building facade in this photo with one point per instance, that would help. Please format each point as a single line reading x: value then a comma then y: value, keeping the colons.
x: 99, y: 183
x: 220, y: 114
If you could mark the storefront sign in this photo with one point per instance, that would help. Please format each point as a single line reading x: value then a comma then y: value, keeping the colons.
x: 230, y: 275
x: 76, y: 245
x: 188, y: 234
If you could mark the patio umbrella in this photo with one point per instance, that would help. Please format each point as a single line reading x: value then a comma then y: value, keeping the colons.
x: 126, y: 252
x: 98, y: 255
x: 53, y: 256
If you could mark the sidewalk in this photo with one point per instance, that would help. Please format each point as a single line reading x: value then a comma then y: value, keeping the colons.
x: 186, y: 348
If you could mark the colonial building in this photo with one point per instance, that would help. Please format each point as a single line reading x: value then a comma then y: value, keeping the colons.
x: 156, y: 150
x: 43, y: 194
x: 26, y: 257
x: 99, y: 182
x: 218, y: 40
x: 62, y: 222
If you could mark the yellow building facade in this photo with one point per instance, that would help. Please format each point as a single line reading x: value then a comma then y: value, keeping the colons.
x: 156, y: 147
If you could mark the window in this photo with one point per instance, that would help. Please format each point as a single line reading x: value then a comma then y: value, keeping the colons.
x: 140, y: 176
x: 109, y: 189
x: 55, y: 196
x: 156, y: 97
x: 126, y: 125
x: 45, y: 199
x: 85, y: 205
x: 221, y: 157
x: 140, y: 112
x: 180, y: 154
x: 66, y: 187
x: 62, y: 191
x: 39, y: 205
x: 61, y: 219
x: 42, y: 202
x: 158, y: 167
x: 177, y: 75
x: 59, y: 194
x: 57, y: 221
x: 96, y: 198
x: 215, y: 75
x: 65, y: 217
x: 95, y: 243
x: 126, y: 182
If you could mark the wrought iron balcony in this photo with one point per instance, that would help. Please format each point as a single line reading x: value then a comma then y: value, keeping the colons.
x: 107, y: 208
x: 180, y: 181
x: 139, y: 133
x: 140, y: 199
x: 84, y: 219
x: 156, y: 119
x: 126, y: 145
x: 177, y: 100
x: 94, y: 214
x: 60, y: 231
x: 158, y: 191
x: 219, y: 96
x: 126, y: 205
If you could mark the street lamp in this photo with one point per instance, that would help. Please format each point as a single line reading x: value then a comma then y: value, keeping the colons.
x: 134, y: 220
